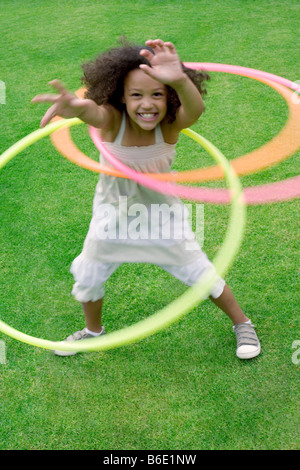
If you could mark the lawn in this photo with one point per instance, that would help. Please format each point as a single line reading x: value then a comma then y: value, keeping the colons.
x: 182, y: 388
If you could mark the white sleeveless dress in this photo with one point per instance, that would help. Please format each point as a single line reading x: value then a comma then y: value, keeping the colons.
x: 134, y: 224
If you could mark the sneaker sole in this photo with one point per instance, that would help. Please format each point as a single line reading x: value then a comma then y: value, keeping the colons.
x: 57, y: 352
x: 248, y: 355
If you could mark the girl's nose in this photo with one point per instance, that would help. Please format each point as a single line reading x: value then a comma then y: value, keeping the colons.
x: 147, y: 103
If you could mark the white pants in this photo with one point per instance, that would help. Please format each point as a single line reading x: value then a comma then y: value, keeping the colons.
x: 189, y: 274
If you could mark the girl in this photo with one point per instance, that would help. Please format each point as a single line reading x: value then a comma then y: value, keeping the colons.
x: 140, y: 98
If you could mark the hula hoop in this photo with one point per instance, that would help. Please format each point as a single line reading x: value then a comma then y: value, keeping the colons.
x: 185, y: 192
x: 272, y: 192
x: 196, y: 194
x: 31, y: 139
x: 246, y: 71
x: 176, y: 309
x: 277, y: 149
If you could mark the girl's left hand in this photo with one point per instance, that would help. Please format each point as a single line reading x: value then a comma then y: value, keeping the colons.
x: 165, y: 63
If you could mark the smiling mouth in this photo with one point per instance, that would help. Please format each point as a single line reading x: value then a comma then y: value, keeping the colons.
x: 148, y: 116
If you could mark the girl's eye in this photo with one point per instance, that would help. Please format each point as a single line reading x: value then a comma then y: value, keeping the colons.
x: 158, y: 94
x: 136, y: 95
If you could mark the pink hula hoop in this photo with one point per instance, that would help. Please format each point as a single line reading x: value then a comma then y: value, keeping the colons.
x: 246, y: 71
x: 173, y: 189
x: 273, y: 192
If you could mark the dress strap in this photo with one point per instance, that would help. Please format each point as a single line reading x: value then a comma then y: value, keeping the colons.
x: 119, y: 138
x: 159, y: 138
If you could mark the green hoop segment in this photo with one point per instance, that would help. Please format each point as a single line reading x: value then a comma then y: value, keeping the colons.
x: 183, y: 304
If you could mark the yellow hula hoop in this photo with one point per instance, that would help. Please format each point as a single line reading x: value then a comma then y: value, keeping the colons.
x: 179, y: 307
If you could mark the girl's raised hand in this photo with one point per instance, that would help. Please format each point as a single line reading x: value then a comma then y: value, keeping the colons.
x: 165, y: 63
x: 65, y: 104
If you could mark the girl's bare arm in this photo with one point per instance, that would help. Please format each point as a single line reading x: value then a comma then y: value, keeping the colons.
x: 68, y: 105
x: 166, y: 68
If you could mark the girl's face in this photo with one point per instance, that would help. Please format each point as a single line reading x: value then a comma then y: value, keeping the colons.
x: 145, y: 99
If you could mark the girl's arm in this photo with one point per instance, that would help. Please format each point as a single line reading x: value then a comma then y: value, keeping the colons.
x: 192, y: 105
x: 68, y: 105
x: 166, y: 68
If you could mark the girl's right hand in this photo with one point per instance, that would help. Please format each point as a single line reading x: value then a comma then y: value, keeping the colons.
x: 66, y: 104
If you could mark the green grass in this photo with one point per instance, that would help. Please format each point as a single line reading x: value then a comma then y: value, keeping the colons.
x: 182, y: 388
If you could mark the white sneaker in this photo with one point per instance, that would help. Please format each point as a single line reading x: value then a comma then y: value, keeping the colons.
x: 248, y: 345
x: 77, y: 336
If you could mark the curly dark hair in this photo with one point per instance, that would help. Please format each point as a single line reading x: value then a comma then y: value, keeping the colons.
x: 104, y: 77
